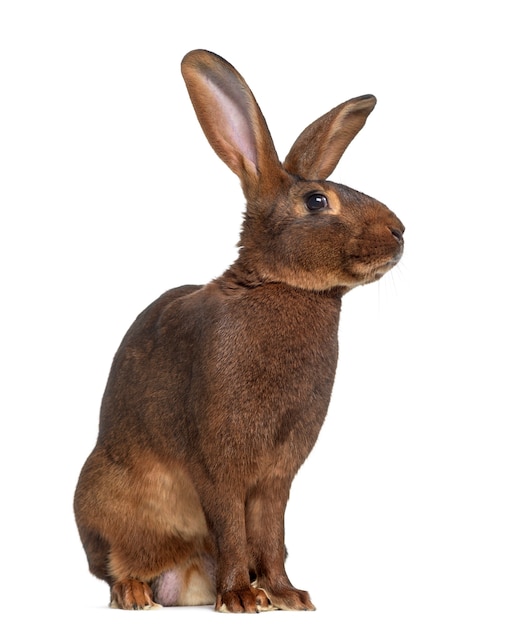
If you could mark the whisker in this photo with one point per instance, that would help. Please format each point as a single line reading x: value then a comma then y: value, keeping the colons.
x: 388, y: 285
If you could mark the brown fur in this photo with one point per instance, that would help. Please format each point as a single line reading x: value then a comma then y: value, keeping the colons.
x: 217, y: 393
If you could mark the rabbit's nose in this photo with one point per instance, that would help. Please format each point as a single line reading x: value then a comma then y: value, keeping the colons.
x: 397, y: 234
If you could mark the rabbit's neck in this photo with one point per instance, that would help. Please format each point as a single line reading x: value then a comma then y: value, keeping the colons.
x: 239, y: 277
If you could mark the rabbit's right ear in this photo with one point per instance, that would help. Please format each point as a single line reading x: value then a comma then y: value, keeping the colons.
x: 229, y: 116
x: 317, y: 150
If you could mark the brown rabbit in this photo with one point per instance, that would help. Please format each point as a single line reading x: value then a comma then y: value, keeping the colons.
x: 218, y: 392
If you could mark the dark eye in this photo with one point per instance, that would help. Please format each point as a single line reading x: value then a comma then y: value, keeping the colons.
x: 316, y: 202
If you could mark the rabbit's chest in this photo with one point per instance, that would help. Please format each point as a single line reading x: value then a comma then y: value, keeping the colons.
x: 266, y: 353
x: 268, y: 383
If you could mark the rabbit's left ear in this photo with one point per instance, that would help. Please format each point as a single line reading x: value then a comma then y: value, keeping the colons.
x: 229, y: 115
x: 316, y: 152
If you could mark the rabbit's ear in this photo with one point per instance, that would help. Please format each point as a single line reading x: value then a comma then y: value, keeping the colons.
x: 316, y: 152
x: 229, y: 115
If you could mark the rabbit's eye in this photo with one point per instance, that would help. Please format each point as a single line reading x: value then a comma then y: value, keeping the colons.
x: 316, y: 202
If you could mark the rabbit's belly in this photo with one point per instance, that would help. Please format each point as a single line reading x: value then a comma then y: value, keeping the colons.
x: 189, y: 584
x: 167, y: 588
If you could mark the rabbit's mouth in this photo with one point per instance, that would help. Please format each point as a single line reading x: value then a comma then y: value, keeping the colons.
x: 386, y: 267
x: 396, y: 258
x: 372, y: 271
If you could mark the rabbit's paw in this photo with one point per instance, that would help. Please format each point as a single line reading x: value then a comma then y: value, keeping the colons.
x: 247, y: 600
x: 290, y: 599
x: 132, y: 594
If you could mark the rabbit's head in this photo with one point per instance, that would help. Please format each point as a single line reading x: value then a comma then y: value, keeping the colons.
x: 299, y: 228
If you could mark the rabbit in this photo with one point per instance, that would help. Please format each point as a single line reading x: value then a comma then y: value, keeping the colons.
x: 218, y: 392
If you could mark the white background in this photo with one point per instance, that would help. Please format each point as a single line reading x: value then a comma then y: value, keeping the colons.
x: 406, y: 512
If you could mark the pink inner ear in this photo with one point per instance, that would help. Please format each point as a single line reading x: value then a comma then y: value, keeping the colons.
x: 234, y: 123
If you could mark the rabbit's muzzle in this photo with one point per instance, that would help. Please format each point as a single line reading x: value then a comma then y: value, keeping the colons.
x: 375, y: 250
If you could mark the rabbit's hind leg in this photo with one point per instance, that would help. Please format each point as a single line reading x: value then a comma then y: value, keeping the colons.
x: 132, y: 594
x: 190, y: 584
x: 164, y: 571
x: 138, y: 520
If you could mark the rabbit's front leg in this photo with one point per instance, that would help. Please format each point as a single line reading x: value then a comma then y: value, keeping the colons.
x: 267, y: 552
x: 234, y: 592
